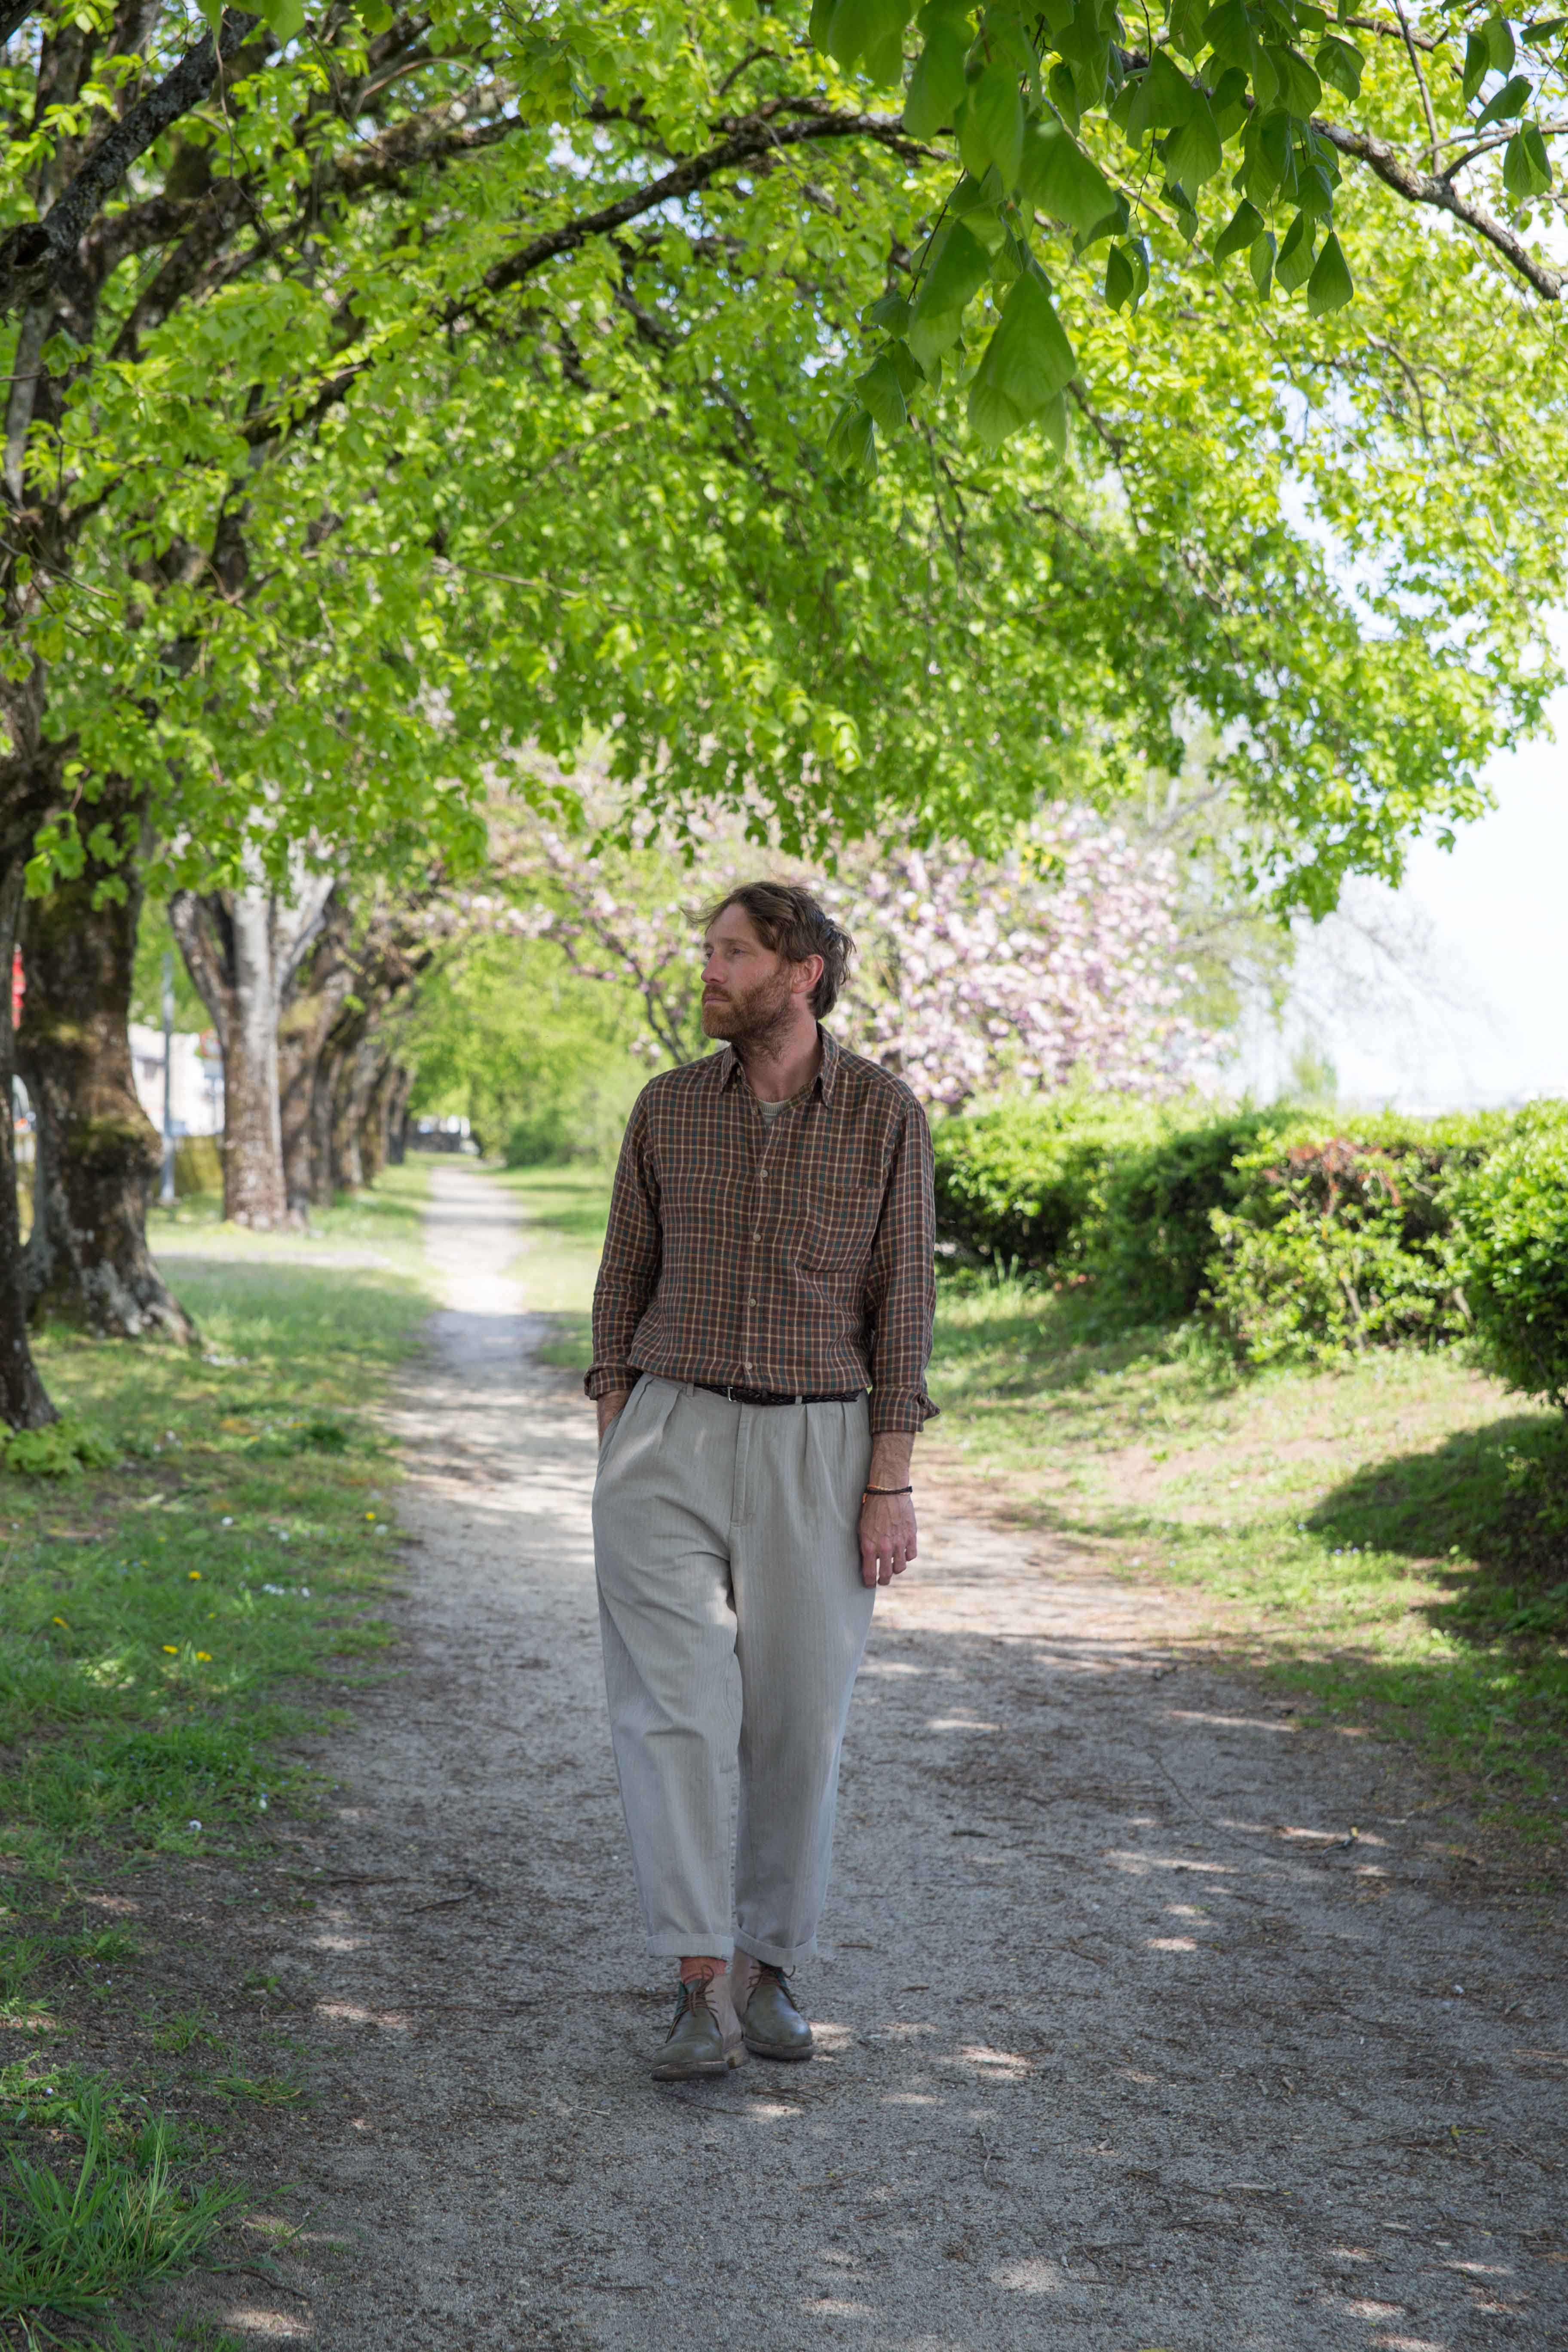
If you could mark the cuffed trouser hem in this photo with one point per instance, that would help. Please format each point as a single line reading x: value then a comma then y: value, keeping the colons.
x: 702, y: 1944
x: 787, y: 1957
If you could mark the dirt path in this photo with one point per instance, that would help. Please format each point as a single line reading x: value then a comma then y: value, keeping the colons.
x: 1123, y: 2045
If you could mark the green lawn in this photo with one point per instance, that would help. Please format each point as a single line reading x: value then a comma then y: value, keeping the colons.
x: 168, y: 1626
x: 1388, y: 1536
x: 565, y: 1210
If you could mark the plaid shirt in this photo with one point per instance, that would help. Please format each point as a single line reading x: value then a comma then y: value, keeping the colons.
x: 795, y: 1253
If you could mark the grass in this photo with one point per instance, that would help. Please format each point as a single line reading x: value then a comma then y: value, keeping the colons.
x: 1388, y: 1537
x: 170, y: 1624
x: 565, y: 1211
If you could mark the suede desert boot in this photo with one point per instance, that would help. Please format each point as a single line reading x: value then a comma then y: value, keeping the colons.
x: 705, y: 2035
x: 770, y: 2022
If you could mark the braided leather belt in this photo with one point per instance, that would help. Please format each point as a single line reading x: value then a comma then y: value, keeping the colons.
x: 775, y: 1396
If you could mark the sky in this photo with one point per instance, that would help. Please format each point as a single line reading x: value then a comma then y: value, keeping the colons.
x: 1451, y: 992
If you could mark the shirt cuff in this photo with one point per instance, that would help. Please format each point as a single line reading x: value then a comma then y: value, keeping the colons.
x: 604, y: 1380
x: 900, y: 1409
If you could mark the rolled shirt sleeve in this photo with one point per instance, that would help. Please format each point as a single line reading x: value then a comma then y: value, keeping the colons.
x: 900, y: 1290
x: 628, y: 1270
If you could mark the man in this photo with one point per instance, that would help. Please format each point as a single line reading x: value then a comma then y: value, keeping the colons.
x: 769, y: 1261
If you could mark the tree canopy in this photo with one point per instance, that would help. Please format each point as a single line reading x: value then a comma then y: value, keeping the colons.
x: 428, y: 387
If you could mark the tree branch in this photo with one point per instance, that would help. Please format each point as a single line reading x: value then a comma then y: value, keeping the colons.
x: 1418, y: 187
x: 36, y: 254
x: 754, y: 139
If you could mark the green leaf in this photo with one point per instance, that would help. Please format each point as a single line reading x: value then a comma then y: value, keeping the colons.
x: 1260, y: 261
x: 883, y: 395
x: 957, y: 268
x: 1053, y: 422
x: 1294, y: 265
x: 1526, y: 168
x: 931, y: 336
x: 906, y: 366
x: 890, y: 314
x: 1060, y: 90
x: 1058, y: 178
x: 936, y: 86
x: 283, y: 18
x: 1331, y: 285
x: 852, y: 443
x: 993, y: 122
x: 1511, y: 99
x: 1127, y: 274
x: 1244, y: 227
x: 1341, y: 63
x: 863, y: 28
x: 375, y: 14
x: 1499, y: 37
x: 1169, y: 96
x: 1227, y: 29
x: 1300, y: 91
x: 1026, y: 364
x: 1194, y: 155
x: 1477, y: 65
x: 1186, y: 21
x: 1545, y: 31
x: 213, y: 11
x: 820, y: 23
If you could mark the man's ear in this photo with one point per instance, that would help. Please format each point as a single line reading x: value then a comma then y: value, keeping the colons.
x: 807, y: 974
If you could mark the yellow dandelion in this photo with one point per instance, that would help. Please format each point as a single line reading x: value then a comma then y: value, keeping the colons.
x: 203, y: 1658
x: 194, y: 1574
x: 370, y: 1515
x: 170, y: 1649
x: 61, y: 1621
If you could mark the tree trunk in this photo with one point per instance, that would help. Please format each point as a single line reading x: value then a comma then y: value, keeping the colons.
x: 330, y: 1070
x: 242, y: 947
x: 315, y: 1000
x: 373, y: 1140
x: 24, y: 1401
x: 99, y: 1154
x: 348, y: 1119
x: 397, y: 1115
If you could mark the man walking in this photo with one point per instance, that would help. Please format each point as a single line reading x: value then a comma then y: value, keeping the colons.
x: 769, y: 1261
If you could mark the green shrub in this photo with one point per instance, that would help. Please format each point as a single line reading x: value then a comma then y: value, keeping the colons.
x: 63, y: 1449
x: 1021, y: 1185
x: 1154, y: 1239
x: 1512, y: 1209
x: 1343, y: 1240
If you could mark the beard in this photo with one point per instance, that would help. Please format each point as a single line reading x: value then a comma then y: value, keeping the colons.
x: 754, y: 1016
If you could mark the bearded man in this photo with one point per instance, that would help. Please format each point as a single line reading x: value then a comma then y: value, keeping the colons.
x: 761, y: 1326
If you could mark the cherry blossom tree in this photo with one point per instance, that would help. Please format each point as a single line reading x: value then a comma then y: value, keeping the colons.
x: 1063, y: 963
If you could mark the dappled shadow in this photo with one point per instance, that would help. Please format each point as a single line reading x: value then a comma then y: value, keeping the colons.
x: 1488, y: 1509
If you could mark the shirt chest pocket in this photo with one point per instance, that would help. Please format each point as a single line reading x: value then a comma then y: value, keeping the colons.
x: 836, y: 1227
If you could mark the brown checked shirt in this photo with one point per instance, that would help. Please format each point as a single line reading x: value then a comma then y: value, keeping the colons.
x: 792, y: 1254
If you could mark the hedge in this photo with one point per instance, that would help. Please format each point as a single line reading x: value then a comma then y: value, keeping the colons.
x: 1294, y: 1237
x: 1511, y: 1207
x: 1342, y: 1239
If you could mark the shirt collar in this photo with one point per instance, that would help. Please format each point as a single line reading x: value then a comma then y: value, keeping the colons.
x: 824, y: 1080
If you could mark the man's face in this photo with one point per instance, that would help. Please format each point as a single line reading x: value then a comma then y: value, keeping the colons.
x: 745, y: 986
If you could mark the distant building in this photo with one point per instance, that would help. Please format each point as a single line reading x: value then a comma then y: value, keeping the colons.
x: 197, y: 1105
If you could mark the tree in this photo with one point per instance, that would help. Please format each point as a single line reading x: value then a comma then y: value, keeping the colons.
x: 98, y: 1154
x: 243, y: 948
x: 1454, y: 114
x: 271, y: 495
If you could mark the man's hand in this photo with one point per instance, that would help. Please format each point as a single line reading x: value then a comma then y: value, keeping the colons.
x: 610, y: 1407
x: 888, y: 1521
x: 886, y: 1536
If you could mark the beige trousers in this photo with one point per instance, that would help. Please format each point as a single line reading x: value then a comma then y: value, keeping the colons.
x: 733, y: 1620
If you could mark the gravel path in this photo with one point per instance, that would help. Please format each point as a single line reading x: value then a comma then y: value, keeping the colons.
x: 1123, y: 2043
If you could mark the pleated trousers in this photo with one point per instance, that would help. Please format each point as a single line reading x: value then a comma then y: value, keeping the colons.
x: 733, y: 1617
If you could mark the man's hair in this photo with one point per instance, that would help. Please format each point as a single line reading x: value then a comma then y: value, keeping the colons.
x: 788, y: 920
